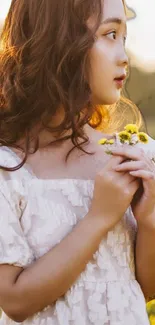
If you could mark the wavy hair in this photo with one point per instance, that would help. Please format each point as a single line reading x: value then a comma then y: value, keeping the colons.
x: 44, y: 60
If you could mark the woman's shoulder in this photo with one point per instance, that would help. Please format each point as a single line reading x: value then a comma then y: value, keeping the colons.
x: 11, y: 182
x: 7, y: 158
x: 10, y: 160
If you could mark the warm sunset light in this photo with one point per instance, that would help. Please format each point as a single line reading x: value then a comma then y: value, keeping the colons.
x: 4, y: 5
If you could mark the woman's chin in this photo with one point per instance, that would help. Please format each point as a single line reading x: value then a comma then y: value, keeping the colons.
x: 113, y: 99
x: 107, y: 100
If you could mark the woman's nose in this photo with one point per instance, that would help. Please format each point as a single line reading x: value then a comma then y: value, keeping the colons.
x: 123, y: 58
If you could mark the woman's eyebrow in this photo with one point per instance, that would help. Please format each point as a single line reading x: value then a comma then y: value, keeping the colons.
x: 115, y: 20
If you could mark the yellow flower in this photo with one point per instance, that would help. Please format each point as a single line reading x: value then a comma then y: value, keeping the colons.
x: 130, y: 135
x: 111, y: 141
x: 131, y: 128
x: 102, y: 141
x: 143, y: 137
x: 152, y: 320
x: 124, y: 136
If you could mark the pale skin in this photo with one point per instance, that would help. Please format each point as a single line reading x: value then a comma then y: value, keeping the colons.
x: 22, y: 290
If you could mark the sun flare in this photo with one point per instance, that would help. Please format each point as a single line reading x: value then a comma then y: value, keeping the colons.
x: 4, y: 6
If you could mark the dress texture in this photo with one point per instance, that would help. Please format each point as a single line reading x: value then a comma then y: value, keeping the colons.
x: 35, y: 215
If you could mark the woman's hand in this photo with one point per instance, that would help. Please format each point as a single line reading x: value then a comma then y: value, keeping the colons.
x: 113, y: 194
x: 139, y: 165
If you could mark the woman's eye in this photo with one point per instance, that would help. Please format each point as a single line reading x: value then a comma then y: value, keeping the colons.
x: 112, y: 35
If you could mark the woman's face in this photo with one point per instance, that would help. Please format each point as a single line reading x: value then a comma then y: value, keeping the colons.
x: 108, y: 58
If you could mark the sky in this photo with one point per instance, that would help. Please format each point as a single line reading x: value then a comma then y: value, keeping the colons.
x: 4, y: 5
x: 141, y: 31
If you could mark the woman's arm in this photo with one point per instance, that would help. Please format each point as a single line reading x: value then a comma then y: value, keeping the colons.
x: 140, y: 165
x: 145, y: 260
x: 30, y: 290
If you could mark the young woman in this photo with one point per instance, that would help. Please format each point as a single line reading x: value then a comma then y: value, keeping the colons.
x: 67, y: 231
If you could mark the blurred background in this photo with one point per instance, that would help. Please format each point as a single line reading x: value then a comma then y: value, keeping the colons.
x: 140, y: 85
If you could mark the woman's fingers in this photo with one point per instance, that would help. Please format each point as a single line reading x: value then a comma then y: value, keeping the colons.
x: 141, y: 169
x: 144, y: 174
x: 137, y: 162
x: 131, y: 166
x: 128, y: 152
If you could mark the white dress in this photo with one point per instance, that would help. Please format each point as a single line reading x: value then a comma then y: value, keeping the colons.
x: 35, y: 215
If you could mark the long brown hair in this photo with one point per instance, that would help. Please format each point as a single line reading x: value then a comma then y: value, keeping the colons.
x: 45, y: 47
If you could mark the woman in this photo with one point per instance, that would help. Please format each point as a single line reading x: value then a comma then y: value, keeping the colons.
x: 67, y: 254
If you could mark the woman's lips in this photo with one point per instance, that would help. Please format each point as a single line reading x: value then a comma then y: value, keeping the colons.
x: 119, y: 81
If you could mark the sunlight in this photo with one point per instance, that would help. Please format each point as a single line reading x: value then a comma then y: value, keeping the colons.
x: 4, y: 6
x: 141, y: 40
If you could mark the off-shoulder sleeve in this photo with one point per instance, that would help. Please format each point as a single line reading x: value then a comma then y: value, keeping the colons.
x: 14, y: 248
